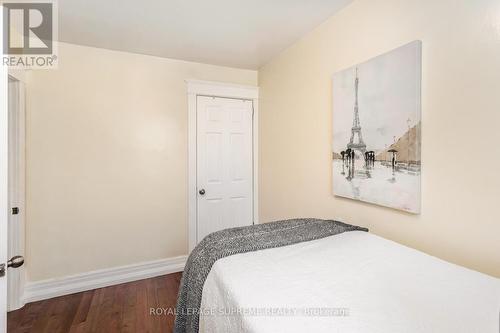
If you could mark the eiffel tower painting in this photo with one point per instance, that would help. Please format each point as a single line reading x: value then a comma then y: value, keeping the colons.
x: 376, y: 130
x: 356, y: 125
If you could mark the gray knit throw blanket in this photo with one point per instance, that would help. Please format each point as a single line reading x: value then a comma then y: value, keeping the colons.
x: 232, y: 241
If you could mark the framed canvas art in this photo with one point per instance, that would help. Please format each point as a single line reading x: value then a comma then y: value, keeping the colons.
x: 376, y: 130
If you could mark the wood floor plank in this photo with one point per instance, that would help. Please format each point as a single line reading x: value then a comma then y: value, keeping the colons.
x: 122, y: 308
x: 95, y: 306
x: 105, y: 323
x: 80, y: 318
x: 63, y: 311
x: 143, y: 319
x: 170, y: 296
x: 163, y: 302
x: 14, y: 319
x: 153, y: 302
x: 129, y: 319
x: 28, y: 316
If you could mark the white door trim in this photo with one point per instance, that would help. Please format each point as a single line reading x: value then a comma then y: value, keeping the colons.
x: 3, y: 184
x: 16, y: 281
x: 217, y: 89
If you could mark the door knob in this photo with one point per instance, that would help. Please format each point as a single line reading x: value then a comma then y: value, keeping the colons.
x: 202, y: 191
x: 15, y: 262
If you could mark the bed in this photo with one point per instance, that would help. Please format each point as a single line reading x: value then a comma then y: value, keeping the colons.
x: 349, y: 282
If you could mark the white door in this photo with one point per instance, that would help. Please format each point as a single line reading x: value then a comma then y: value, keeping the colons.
x: 3, y: 187
x: 224, y: 164
x: 16, y: 169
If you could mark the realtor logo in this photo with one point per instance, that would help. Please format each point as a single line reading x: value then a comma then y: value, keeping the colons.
x: 29, y: 34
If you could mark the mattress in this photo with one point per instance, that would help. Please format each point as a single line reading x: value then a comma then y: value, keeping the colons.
x: 351, y: 282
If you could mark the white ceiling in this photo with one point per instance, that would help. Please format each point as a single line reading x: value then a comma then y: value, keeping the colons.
x: 237, y: 33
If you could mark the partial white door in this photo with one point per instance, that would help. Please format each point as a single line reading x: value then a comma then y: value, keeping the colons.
x: 224, y: 164
x: 3, y: 188
x: 16, y: 171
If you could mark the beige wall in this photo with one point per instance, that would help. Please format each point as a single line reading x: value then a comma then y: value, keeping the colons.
x: 107, y: 159
x: 460, y: 221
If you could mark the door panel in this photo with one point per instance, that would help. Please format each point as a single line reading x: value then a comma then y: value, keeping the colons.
x: 224, y: 164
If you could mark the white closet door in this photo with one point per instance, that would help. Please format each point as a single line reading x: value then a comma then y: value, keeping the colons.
x: 224, y: 164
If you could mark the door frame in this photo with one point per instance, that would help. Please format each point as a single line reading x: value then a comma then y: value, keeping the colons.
x: 17, y: 231
x: 3, y: 184
x: 197, y: 88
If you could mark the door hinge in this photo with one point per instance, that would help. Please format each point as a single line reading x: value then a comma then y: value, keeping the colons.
x: 15, y: 210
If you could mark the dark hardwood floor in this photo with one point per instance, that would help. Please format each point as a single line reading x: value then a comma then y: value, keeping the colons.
x: 121, y: 308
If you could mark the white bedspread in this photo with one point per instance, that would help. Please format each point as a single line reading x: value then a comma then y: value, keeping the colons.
x: 384, y: 287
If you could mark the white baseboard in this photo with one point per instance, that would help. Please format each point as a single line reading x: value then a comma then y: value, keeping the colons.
x: 39, y: 290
